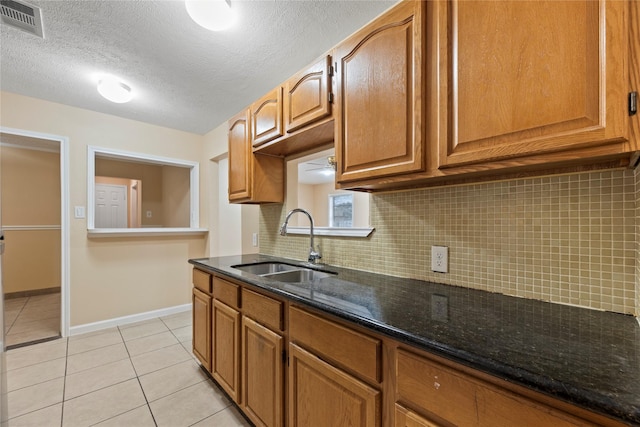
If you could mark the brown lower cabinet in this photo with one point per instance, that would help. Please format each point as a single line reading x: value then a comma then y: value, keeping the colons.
x: 262, y: 370
x: 201, y: 324
x: 322, y: 395
x: 340, y: 374
x: 226, y: 340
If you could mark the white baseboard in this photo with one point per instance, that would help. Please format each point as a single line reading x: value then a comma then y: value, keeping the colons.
x: 125, y: 320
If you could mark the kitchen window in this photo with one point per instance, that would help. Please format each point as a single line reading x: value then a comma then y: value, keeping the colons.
x: 340, y: 210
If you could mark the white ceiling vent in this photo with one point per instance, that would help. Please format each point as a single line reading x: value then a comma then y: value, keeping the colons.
x: 22, y: 15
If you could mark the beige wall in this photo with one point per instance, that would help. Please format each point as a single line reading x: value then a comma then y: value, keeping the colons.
x: 176, y: 202
x: 31, y: 260
x: 307, y: 201
x: 232, y: 225
x: 30, y: 187
x: 30, y: 199
x: 572, y: 239
x: 114, y: 277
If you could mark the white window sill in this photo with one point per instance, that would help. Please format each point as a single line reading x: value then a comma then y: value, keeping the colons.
x: 138, y: 232
x: 333, y: 231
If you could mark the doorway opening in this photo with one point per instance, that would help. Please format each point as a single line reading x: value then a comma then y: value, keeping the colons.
x: 34, y: 217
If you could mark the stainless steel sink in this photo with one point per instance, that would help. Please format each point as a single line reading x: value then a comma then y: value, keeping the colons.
x: 263, y: 268
x: 298, y: 276
x: 284, y: 272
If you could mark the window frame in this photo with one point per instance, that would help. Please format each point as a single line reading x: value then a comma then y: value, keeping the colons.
x: 194, y: 190
x: 332, y: 198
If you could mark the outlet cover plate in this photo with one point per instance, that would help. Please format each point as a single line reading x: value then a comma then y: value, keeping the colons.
x: 440, y: 259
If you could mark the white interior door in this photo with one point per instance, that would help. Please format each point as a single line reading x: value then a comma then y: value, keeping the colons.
x: 111, y: 206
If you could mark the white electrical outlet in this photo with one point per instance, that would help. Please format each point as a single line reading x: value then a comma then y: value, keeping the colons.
x: 254, y: 239
x: 149, y: 214
x: 440, y: 259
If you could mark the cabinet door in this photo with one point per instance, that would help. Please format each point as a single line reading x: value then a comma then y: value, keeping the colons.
x: 379, y: 99
x: 266, y: 118
x: 201, y: 324
x: 533, y: 77
x: 306, y: 96
x: 322, y: 395
x: 226, y: 346
x: 239, y: 157
x: 262, y: 384
x: 253, y: 178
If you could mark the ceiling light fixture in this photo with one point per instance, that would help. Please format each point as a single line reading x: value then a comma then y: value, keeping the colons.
x: 214, y: 15
x: 114, y: 90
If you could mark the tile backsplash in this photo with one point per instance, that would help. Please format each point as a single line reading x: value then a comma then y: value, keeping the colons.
x: 637, y: 191
x: 570, y: 239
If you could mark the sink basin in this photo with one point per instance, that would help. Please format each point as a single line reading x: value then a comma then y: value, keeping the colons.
x: 283, y: 272
x: 298, y: 276
x: 263, y: 268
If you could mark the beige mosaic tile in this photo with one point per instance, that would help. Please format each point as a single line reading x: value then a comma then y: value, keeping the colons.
x: 570, y: 239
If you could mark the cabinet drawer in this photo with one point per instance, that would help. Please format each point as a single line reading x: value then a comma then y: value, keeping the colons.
x: 262, y: 309
x: 348, y: 348
x: 407, y: 418
x: 500, y: 407
x: 227, y: 292
x: 435, y: 389
x: 202, y: 280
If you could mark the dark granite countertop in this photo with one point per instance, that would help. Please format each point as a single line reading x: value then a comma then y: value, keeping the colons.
x: 585, y: 357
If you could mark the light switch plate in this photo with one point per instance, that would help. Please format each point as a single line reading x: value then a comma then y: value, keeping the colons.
x: 440, y: 259
x: 78, y: 212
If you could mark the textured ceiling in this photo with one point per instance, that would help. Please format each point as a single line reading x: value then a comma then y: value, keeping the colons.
x: 184, y: 76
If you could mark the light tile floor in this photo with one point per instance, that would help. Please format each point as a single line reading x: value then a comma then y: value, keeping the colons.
x: 137, y: 375
x: 31, y: 318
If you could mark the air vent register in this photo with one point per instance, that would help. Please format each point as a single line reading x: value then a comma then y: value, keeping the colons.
x: 22, y: 15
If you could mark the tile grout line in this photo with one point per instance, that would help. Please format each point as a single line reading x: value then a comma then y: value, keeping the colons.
x: 67, y: 346
x: 16, y: 319
x: 29, y: 302
x: 64, y: 383
x: 138, y: 378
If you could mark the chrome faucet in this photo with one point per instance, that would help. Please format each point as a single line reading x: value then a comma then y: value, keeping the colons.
x: 314, y: 256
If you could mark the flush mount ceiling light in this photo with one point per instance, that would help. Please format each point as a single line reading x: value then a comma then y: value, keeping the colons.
x: 114, y: 90
x: 214, y: 15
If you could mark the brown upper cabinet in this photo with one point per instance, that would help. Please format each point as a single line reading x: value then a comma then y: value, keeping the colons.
x: 306, y: 111
x: 266, y: 118
x: 239, y: 158
x: 527, y: 78
x: 379, y: 107
x: 452, y: 91
x: 253, y: 178
x: 307, y: 95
